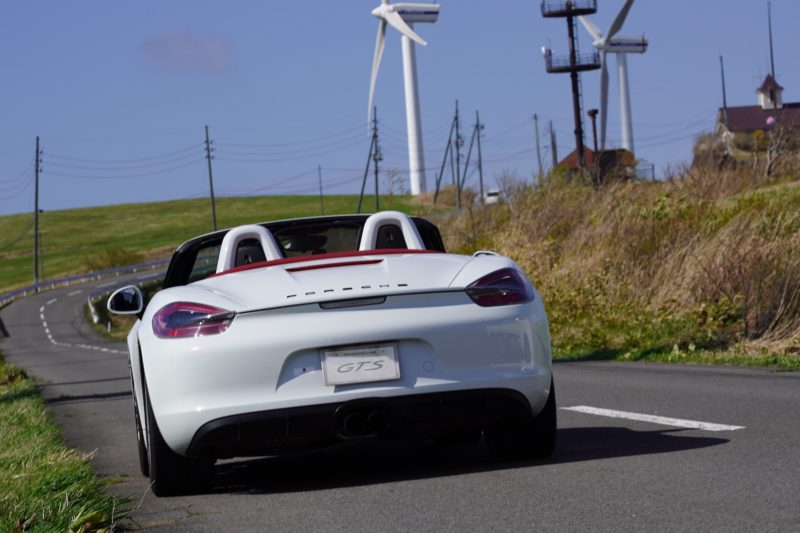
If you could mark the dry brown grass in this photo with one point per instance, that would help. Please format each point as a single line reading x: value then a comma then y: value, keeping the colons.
x: 705, y: 258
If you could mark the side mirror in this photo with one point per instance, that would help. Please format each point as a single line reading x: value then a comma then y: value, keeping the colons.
x: 126, y: 301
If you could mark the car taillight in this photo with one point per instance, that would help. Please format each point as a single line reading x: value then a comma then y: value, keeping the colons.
x: 504, y: 287
x: 185, y: 319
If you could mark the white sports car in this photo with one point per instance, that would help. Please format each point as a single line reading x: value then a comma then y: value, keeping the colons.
x: 303, y: 333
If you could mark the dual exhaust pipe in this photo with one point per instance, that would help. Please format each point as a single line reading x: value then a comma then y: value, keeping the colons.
x: 362, y: 422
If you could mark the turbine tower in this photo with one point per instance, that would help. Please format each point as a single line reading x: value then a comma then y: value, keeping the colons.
x: 610, y: 43
x: 402, y: 16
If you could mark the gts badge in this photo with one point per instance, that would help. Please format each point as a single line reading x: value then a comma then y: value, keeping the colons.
x: 360, y: 366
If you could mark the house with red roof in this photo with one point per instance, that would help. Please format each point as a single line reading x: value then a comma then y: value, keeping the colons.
x: 770, y: 112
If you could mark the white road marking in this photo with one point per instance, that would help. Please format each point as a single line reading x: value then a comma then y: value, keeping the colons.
x: 73, y: 293
x: 66, y: 344
x: 663, y: 420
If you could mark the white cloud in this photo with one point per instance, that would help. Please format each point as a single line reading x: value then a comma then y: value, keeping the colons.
x: 178, y: 51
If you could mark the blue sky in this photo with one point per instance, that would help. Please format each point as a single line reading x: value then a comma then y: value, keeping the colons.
x: 119, y: 92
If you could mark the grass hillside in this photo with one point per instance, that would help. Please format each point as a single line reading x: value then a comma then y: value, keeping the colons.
x: 696, y: 268
x: 82, y: 240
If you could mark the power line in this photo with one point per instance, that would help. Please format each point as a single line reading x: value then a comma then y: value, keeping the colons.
x: 280, y: 182
x: 21, y: 175
x: 305, y: 155
x: 293, y: 188
x: 19, y: 183
x: 195, y: 146
x: 129, y: 176
x: 267, y: 153
x: 129, y: 167
x: 294, y: 143
x: 20, y: 192
x: 671, y: 141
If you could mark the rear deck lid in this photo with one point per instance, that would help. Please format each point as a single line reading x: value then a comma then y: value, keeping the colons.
x: 333, y: 278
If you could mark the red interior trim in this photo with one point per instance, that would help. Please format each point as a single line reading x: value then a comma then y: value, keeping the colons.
x: 338, y: 255
x: 334, y: 265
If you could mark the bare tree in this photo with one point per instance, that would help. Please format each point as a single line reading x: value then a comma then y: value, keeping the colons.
x: 782, y: 138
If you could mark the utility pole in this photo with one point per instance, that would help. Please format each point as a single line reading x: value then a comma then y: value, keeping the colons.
x: 459, y: 143
x: 553, y: 146
x: 480, y: 159
x: 36, y: 220
x: 376, y: 157
x: 453, y: 172
x: 596, y: 157
x: 469, y: 155
x: 444, y: 160
x: 476, y: 135
x: 771, y: 50
x: 211, y: 184
x: 724, y: 95
x: 366, y: 173
x: 574, y: 63
x: 538, y: 147
x: 593, y: 115
x: 321, y: 201
x: 576, y: 88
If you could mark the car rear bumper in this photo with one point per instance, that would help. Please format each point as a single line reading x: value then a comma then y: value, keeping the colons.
x: 272, y: 360
x: 416, y: 416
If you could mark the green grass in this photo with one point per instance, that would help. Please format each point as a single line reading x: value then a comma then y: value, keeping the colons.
x: 44, y: 486
x: 81, y: 240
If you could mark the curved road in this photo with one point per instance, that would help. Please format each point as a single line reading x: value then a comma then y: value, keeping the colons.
x: 640, y: 447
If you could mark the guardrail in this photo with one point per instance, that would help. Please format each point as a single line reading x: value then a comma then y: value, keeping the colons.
x: 50, y: 284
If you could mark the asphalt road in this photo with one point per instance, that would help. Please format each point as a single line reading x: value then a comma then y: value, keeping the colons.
x: 608, y: 473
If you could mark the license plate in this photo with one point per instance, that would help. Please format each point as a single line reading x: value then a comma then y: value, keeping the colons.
x: 360, y: 364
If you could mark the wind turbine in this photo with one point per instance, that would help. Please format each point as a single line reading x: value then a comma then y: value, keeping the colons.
x: 402, y: 16
x: 610, y: 43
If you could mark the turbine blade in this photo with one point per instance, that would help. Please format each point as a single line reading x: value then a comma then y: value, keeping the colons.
x: 593, y: 30
x: 619, y: 21
x: 380, y: 43
x: 603, y: 99
x: 393, y: 18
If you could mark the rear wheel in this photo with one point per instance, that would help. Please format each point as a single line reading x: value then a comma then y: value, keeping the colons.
x: 170, y: 473
x: 144, y: 465
x: 533, y: 438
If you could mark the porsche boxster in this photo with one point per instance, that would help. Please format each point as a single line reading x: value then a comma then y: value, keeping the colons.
x: 296, y: 334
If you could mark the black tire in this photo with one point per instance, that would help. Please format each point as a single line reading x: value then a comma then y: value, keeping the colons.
x: 534, y: 438
x: 144, y: 464
x: 172, y: 474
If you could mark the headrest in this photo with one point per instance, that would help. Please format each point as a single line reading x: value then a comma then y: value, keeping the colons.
x: 230, y: 245
x: 373, y: 225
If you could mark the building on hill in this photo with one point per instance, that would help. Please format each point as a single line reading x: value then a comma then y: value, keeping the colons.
x: 609, y: 164
x: 737, y: 126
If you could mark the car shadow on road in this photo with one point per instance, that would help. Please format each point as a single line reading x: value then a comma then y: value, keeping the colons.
x: 368, y: 463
